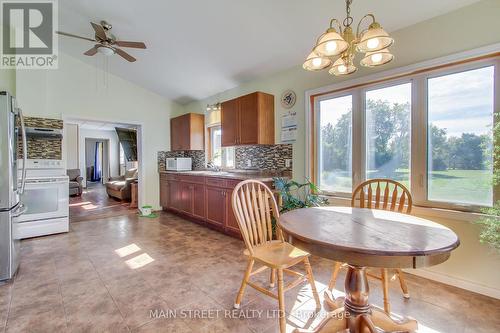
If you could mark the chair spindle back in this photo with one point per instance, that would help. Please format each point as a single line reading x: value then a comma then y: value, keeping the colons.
x: 382, y: 197
x: 254, y: 205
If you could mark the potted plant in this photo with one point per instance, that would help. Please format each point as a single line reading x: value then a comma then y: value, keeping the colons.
x: 295, y: 195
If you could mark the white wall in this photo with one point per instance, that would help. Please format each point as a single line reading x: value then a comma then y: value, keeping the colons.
x: 76, y: 90
x: 70, y: 145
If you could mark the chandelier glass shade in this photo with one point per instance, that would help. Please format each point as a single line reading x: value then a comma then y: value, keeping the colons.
x: 336, y: 48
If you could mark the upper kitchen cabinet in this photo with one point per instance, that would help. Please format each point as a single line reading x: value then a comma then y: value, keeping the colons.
x: 248, y: 120
x: 187, y: 132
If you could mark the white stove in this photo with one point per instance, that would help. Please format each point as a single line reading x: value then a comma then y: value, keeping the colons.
x: 46, y: 198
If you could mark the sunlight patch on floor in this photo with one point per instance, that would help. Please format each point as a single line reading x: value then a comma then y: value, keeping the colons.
x: 139, y: 261
x: 80, y: 204
x: 127, y: 250
x: 90, y: 207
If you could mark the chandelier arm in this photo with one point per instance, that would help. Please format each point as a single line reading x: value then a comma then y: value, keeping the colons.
x: 338, y: 24
x: 360, y: 21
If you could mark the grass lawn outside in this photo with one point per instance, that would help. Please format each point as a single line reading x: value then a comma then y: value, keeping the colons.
x: 455, y: 186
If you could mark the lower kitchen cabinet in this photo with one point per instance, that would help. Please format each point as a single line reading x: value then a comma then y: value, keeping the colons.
x: 202, y: 199
x: 231, y: 222
x: 199, y: 210
x: 216, y: 205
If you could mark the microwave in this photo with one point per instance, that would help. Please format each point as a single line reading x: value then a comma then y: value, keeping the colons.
x: 179, y: 163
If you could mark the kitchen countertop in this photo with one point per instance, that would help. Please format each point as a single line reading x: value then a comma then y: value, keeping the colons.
x: 242, y: 175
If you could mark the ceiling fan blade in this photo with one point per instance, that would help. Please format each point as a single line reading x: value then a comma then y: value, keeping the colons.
x: 92, y: 51
x: 75, y: 36
x: 125, y: 55
x: 99, y: 31
x: 136, y: 45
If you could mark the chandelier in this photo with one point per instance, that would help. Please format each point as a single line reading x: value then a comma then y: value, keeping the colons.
x: 337, y: 49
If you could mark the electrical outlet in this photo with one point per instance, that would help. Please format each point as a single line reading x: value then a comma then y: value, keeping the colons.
x: 288, y: 163
x: 249, y: 163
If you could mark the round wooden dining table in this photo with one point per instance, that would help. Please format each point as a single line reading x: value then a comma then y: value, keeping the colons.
x: 365, y: 238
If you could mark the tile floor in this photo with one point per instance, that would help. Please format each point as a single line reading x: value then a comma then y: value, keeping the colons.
x: 107, y: 275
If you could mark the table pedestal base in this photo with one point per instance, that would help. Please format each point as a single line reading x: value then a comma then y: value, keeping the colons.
x: 354, y: 313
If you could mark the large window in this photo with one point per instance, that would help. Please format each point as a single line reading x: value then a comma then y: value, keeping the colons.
x: 431, y: 131
x: 335, y: 137
x: 460, y: 120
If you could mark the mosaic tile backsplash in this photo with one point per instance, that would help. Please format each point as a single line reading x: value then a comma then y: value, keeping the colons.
x: 198, y: 157
x: 43, y: 148
x: 268, y: 157
x: 264, y: 158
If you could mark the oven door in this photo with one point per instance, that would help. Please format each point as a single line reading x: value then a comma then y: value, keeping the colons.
x: 45, y: 198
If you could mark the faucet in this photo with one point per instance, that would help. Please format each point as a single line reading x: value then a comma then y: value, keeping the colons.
x: 211, y: 165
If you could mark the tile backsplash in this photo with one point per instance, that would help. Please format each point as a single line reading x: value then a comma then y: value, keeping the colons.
x: 198, y: 157
x: 266, y: 158
x: 43, y: 148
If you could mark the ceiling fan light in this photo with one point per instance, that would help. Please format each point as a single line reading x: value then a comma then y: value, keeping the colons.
x: 315, y: 62
x: 342, y: 67
x: 106, y: 50
x: 377, y: 58
x: 374, y: 39
x: 330, y: 44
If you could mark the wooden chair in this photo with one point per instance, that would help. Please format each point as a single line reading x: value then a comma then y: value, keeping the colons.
x: 383, y: 198
x: 254, y: 206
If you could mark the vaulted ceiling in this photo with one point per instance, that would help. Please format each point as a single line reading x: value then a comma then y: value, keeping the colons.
x: 197, y: 48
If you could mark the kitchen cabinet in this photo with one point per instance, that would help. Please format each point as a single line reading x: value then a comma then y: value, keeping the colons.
x: 199, y: 210
x: 216, y: 205
x: 248, y: 120
x: 231, y: 223
x: 201, y: 199
x: 187, y: 132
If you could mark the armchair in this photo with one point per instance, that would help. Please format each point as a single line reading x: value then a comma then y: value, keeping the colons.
x: 75, y: 181
x: 119, y: 187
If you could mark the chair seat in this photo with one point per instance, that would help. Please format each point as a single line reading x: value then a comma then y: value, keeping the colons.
x: 116, y: 185
x: 278, y: 254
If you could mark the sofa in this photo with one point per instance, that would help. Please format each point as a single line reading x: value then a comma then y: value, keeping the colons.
x: 75, y: 181
x: 119, y: 187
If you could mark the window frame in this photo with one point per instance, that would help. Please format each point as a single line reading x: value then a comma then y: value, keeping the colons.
x: 418, y: 78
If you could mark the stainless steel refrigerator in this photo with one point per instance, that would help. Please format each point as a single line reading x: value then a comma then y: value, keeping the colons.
x: 11, y: 183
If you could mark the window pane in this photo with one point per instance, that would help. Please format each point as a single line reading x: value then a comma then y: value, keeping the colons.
x: 460, y: 120
x: 335, y: 144
x: 388, y: 119
x: 216, y: 146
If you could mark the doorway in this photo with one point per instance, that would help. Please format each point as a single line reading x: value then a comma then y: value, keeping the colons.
x: 97, y: 160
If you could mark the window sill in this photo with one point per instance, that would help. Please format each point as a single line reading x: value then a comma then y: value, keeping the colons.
x: 428, y: 212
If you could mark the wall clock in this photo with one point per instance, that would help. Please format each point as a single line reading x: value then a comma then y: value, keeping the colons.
x: 288, y: 99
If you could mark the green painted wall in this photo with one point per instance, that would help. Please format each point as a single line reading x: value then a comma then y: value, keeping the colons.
x: 440, y: 36
x: 467, y: 28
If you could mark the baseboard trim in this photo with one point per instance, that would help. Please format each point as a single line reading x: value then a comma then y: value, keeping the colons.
x: 456, y: 282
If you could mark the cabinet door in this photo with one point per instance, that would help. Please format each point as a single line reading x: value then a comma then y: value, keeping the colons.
x: 164, y: 194
x: 199, y: 201
x: 215, y: 205
x: 230, y: 221
x: 248, y: 119
x: 186, y: 198
x: 173, y: 194
x: 179, y: 133
x: 229, y: 123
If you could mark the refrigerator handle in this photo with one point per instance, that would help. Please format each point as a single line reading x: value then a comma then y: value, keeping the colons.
x: 25, y: 149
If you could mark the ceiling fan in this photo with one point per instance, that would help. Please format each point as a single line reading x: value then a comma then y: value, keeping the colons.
x: 106, y: 42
